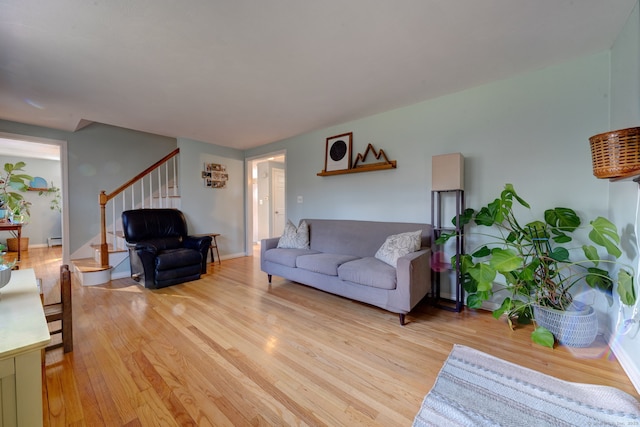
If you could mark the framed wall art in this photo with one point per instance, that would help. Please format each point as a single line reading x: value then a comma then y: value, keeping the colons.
x: 338, y: 152
x: 215, y: 175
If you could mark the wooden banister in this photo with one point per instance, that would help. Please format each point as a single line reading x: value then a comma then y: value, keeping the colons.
x: 104, y: 198
x: 142, y: 174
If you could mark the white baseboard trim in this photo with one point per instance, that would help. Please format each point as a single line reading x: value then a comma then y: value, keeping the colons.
x: 627, y: 362
x: 231, y: 256
x: 37, y: 245
x: 120, y: 275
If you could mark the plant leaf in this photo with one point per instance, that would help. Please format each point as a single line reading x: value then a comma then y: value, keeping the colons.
x: 605, y: 234
x: 465, y: 217
x: 591, y: 253
x: 504, y: 307
x: 444, y: 237
x: 542, y: 336
x: 503, y: 260
x: 598, y: 278
x: 482, y: 273
x: 489, y: 214
x: 473, y: 301
x: 468, y: 284
x: 626, y: 291
x: 482, y: 252
x: 510, y: 190
x: 564, y: 219
x: 559, y: 254
x: 561, y: 237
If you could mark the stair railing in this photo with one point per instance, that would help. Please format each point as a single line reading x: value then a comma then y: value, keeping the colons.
x: 152, y: 185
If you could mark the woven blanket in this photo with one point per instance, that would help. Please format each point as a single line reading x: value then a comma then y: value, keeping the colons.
x: 477, y: 389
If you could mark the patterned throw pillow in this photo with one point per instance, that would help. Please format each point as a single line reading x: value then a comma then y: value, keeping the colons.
x: 295, y: 238
x: 399, y: 245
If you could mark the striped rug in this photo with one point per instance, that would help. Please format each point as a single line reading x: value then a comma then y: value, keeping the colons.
x: 476, y: 389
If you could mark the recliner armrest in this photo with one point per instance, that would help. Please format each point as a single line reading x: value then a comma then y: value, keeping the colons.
x: 200, y: 243
x: 147, y: 247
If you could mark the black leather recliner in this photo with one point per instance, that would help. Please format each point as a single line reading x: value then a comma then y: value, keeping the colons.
x: 160, y: 250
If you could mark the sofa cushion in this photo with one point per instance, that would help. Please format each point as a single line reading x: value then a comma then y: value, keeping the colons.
x: 399, y: 245
x: 295, y: 238
x: 286, y: 257
x: 369, y: 271
x: 358, y: 238
x: 323, y: 263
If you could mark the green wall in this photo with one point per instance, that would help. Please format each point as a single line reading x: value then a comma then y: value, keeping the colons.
x: 210, y: 210
x: 625, y: 196
x: 531, y: 130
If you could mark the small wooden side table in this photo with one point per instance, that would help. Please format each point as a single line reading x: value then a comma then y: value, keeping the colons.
x: 214, y: 245
x: 8, y: 226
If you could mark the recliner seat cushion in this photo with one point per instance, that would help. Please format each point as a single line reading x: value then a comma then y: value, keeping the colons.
x: 165, y: 243
x: 323, y: 263
x: 369, y: 271
x: 177, y: 258
x: 177, y: 275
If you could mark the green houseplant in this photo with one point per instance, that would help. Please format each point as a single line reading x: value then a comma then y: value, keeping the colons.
x: 13, y: 205
x: 5, y: 266
x: 12, y: 183
x: 538, y: 261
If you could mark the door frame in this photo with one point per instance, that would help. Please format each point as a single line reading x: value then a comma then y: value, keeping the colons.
x: 64, y: 169
x: 272, y: 223
x: 250, y: 203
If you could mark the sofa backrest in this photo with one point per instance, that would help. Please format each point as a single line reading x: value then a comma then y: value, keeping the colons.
x: 358, y: 238
x: 154, y: 224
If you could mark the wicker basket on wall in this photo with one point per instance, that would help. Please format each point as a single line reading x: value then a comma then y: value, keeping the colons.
x: 616, y: 154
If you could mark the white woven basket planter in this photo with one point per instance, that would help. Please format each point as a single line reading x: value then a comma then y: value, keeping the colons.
x: 571, y: 328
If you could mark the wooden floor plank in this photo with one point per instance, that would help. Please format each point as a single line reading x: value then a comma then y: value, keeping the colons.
x: 232, y: 350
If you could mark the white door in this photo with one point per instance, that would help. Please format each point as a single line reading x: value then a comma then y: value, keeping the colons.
x: 277, y: 202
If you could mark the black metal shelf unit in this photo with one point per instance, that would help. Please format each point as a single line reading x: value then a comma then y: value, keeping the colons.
x: 437, y: 209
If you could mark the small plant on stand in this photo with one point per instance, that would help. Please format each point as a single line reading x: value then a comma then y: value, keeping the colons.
x: 5, y: 266
x: 12, y: 183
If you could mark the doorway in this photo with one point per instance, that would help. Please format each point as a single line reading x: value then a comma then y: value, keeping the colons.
x: 266, y: 197
x: 39, y: 150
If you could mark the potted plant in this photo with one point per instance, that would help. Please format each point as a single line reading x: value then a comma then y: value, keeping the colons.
x: 13, y: 206
x: 12, y: 183
x: 5, y: 266
x: 538, y: 262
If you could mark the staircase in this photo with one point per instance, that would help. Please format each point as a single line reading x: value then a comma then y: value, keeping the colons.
x: 106, y: 256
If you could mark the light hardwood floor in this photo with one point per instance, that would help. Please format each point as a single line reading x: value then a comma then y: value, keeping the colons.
x: 231, y: 350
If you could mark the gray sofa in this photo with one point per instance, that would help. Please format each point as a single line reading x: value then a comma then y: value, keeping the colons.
x: 341, y: 260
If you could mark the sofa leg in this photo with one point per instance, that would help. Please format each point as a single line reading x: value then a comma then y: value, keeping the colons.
x: 269, y: 277
x: 401, y: 315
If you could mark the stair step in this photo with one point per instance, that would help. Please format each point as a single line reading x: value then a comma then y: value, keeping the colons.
x: 111, y: 249
x: 88, y: 265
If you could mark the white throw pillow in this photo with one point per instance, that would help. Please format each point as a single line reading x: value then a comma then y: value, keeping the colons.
x: 295, y: 238
x: 399, y: 245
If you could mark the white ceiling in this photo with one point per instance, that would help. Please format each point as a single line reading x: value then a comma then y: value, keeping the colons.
x: 34, y: 150
x: 243, y: 73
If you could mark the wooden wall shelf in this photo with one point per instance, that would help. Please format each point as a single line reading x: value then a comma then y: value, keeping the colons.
x: 363, y: 168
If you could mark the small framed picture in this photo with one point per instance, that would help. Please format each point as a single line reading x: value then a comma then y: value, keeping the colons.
x: 215, y: 175
x: 338, y: 152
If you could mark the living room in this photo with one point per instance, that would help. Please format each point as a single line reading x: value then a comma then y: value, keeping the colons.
x: 530, y: 129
